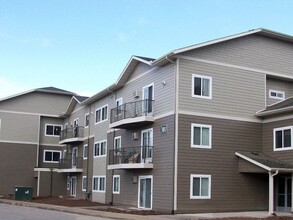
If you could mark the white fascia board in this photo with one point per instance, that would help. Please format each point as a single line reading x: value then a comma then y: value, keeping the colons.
x: 253, y: 161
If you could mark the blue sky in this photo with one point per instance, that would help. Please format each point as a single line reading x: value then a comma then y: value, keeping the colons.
x: 83, y: 45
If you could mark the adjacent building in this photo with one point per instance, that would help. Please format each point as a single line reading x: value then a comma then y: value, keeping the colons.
x: 205, y: 128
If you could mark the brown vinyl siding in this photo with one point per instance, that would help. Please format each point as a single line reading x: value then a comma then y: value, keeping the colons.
x: 230, y: 189
x: 268, y: 137
x: 59, y: 183
x: 17, y: 163
x: 43, y: 164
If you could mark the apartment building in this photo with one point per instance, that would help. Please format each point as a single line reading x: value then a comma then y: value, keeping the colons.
x: 205, y: 128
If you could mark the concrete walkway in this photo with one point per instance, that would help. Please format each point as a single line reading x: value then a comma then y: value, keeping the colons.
x: 113, y: 215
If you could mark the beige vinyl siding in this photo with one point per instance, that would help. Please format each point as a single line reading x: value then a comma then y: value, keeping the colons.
x: 279, y: 85
x: 19, y: 127
x: 36, y: 102
x: 227, y: 183
x: 140, y: 69
x: 268, y: 143
x: 252, y: 51
x: 44, y: 139
x: 17, y: 163
x: 235, y: 93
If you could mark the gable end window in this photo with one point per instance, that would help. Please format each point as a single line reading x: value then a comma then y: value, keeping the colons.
x: 200, y: 186
x: 102, y: 114
x: 51, y: 156
x: 53, y: 130
x: 283, y: 138
x: 201, y: 136
x: 274, y: 94
x: 201, y: 86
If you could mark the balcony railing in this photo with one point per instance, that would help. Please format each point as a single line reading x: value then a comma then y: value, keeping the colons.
x: 72, y: 132
x: 132, y: 110
x: 70, y: 163
x: 131, y: 155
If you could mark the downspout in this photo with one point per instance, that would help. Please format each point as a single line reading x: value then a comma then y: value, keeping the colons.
x: 88, y: 155
x: 271, y: 191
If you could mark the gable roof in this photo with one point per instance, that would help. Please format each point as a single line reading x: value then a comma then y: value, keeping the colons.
x: 74, y: 100
x: 284, y: 106
x: 50, y: 90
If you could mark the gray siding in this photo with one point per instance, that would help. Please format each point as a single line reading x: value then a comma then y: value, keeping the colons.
x: 284, y: 86
x: 17, y: 163
x: 44, y: 139
x: 235, y: 93
x: 252, y: 51
x: 139, y: 70
x: 227, y: 183
x: 43, y: 164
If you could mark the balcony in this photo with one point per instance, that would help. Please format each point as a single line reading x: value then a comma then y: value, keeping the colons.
x: 132, y: 114
x: 131, y: 158
x: 70, y: 165
x: 71, y: 135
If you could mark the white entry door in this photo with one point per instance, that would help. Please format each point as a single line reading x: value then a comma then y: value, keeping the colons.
x: 73, y: 186
x: 147, y: 146
x: 145, y: 195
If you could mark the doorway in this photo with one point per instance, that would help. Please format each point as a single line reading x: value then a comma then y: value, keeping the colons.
x: 145, y: 195
x: 284, y: 192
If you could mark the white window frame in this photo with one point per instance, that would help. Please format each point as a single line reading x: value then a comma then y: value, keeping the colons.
x: 191, y: 186
x: 210, y: 86
x: 101, y: 109
x: 83, y: 187
x: 85, y: 125
x: 100, y: 149
x: 120, y: 100
x: 48, y: 135
x: 210, y: 136
x: 65, y: 154
x: 98, y: 184
x: 119, y: 182
x: 83, y: 152
x: 274, y: 139
x: 277, y: 92
x: 76, y: 121
x: 52, y: 151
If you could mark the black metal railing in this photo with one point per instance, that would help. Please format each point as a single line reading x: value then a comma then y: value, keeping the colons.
x: 132, y: 110
x: 141, y: 154
x: 69, y: 163
x: 72, y: 132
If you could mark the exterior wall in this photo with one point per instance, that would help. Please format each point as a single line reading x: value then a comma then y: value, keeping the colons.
x: 37, y: 102
x: 253, y: 51
x: 284, y: 86
x: 227, y: 183
x: 43, y: 164
x: 235, y: 93
x: 49, y: 140
x: 59, y: 182
x: 17, y: 163
x: 163, y: 171
x: 140, y: 69
x: 268, y: 137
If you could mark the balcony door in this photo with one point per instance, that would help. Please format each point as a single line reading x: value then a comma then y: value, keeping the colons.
x: 148, y: 97
x: 74, y: 157
x: 284, y: 190
x: 147, y: 146
x: 145, y: 194
x: 73, y: 186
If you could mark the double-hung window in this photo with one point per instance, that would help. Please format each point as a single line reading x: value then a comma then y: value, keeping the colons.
x: 201, y: 136
x: 200, y: 186
x: 201, y: 86
x: 116, y: 184
x: 99, y: 183
x: 102, y: 114
x: 100, y: 148
x: 52, y: 156
x: 53, y: 130
x: 283, y: 138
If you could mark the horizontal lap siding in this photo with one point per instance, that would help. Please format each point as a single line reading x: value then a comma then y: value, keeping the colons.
x: 49, y: 139
x: 252, y: 51
x: 274, y: 84
x: 268, y: 136
x: 140, y: 69
x: 231, y: 190
x: 43, y: 164
x: 59, y: 184
x: 235, y: 93
x: 17, y: 162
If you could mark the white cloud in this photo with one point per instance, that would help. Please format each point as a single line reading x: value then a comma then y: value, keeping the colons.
x: 8, y: 88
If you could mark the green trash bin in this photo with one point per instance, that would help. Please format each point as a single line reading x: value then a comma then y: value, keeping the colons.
x: 23, y: 193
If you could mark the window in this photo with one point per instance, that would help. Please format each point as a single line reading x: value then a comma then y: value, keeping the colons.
x: 53, y: 130
x: 116, y: 184
x: 102, y: 114
x: 99, y: 183
x: 86, y: 120
x: 201, y: 86
x: 51, y: 156
x: 117, y: 143
x: 200, y: 186
x: 75, y: 123
x: 201, y: 136
x: 100, y: 148
x: 274, y: 94
x: 85, y: 151
x: 64, y: 153
x: 84, y: 183
x: 283, y: 138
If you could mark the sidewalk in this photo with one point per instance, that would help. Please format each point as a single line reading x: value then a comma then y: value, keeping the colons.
x: 114, y: 215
